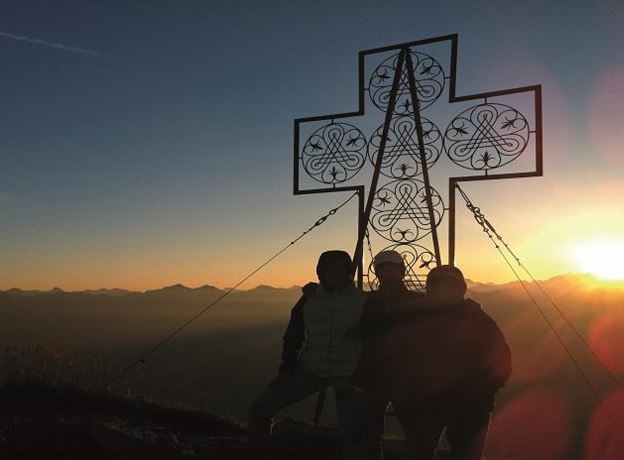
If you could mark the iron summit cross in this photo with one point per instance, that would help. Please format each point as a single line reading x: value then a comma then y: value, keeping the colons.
x: 490, y: 136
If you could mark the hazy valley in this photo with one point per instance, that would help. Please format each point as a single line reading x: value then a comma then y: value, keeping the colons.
x: 226, y: 357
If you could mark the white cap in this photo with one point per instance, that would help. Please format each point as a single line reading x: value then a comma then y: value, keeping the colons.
x: 391, y: 257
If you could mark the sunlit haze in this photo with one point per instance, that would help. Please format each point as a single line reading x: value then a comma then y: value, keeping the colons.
x: 603, y: 258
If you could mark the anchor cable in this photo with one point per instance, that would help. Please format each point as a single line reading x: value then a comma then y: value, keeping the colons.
x: 143, y: 358
x: 561, y: 313
x: 491, y: 232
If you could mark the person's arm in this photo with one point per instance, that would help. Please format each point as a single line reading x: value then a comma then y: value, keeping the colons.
x: 501, y: 359
x: 373, y: 321
x: 499, y: 356
x: 293, y: 339
x: 496, y: 354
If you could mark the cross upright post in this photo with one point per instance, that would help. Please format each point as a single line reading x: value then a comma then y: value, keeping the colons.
x: 365, y: 218
x: 423, y: 159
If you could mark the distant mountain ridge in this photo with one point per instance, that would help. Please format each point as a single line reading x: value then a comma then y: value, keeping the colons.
x: 584, y: 281
x: 119, y: 292
x: 580, y: 279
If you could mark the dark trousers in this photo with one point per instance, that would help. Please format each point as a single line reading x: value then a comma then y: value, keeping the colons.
x: 350, y: 406
x: 375, y: 425
x: 466, y: 432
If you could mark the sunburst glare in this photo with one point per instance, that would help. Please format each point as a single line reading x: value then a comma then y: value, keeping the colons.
x: 602, y: 258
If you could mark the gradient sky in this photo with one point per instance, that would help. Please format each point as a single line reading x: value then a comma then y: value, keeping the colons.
x: 148, y: 143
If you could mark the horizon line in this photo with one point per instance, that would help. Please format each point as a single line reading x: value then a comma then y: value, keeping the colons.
x: 225, y: 288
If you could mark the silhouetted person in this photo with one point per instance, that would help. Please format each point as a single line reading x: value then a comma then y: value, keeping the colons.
x: 384, y: 308
x: 320, y: 348
x: 443, y: 367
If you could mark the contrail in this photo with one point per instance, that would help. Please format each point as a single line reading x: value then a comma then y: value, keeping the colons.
x: 59, y: 46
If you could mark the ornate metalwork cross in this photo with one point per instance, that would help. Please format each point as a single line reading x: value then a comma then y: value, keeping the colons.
x: 494, y: 135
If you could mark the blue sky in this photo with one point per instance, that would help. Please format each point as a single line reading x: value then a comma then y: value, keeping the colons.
x: 168, y: 158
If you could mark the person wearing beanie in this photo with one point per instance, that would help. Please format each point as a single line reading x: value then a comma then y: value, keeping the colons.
x: 321, y: 348
x: 443, y: 368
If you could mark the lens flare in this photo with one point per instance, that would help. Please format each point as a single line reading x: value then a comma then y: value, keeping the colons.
x: 604, y: 439
x: 537, y: 424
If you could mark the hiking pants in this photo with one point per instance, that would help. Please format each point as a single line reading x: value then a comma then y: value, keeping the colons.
x: 289, y: 389
x: 466, y: 433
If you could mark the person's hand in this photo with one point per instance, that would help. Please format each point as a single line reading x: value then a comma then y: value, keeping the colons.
x: 309, y: 290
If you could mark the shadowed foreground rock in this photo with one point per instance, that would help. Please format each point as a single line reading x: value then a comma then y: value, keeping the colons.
x: 39, y: 422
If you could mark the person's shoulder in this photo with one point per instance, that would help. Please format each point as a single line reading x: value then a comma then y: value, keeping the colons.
x: 355, y: 292
x: 472, y: 306
x: 418, y: 299
x: 474, y: 310
x: 373, y: 296
x: 309, y: 290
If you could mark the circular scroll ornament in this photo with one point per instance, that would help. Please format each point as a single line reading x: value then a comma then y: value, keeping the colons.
x: 486, y: 136
x: 334, y: 153
x: 400, y: 212
x: 402, y: 154
x: 428, y: 75
x: 418, y: 262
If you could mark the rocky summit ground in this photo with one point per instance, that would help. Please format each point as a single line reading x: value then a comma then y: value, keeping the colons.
x: 40, y: 422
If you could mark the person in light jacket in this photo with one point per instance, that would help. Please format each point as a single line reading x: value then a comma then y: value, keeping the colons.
x: 321, y: 348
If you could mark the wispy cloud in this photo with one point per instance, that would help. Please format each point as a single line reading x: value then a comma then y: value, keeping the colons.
x: 60, y: 46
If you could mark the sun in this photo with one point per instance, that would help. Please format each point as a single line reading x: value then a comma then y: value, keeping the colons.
x: 602, y: 258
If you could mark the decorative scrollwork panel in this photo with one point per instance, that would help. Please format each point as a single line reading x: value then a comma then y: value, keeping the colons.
x: 402, y: 154
x: 429, y: 77
x: 400, y: 212
x: 486, y: 136
x: 334, y: 153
